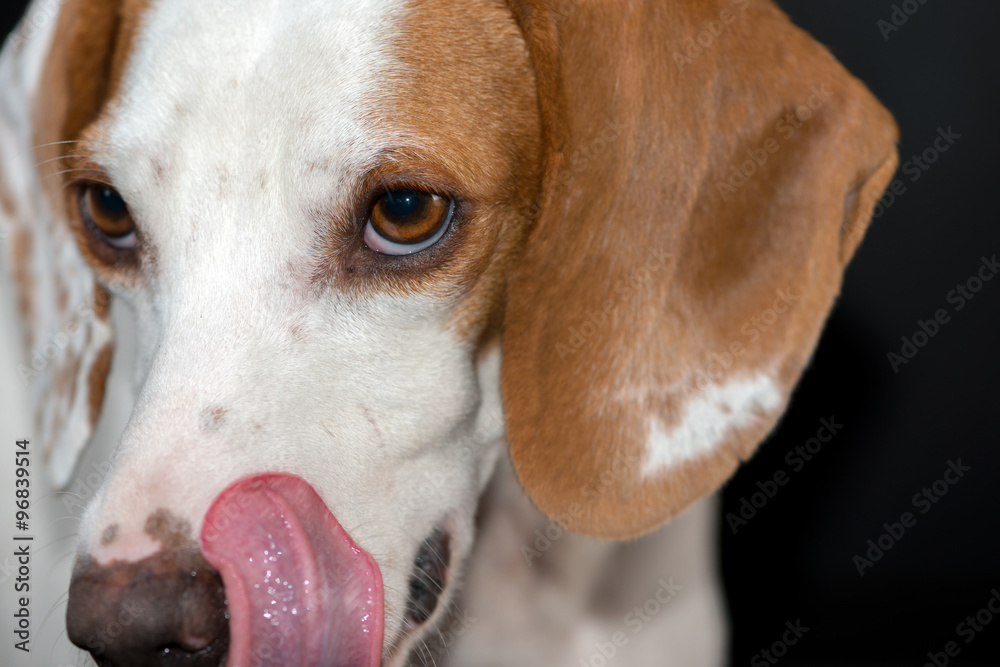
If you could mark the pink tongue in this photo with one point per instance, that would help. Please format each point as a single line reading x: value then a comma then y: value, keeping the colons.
x: 301, y: 593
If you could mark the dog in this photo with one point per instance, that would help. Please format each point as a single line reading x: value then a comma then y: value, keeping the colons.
x: 379, y: 253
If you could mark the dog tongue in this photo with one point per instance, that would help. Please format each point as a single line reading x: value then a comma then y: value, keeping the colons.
x: 301, y: 593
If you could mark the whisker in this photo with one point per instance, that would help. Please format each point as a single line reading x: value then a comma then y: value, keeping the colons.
x: 73, y: 517
x: 63, y: 599
x: 55, y: 643
x: 68, y: 554
x: 71, y: 504
x: 78, y: 152
x: 53, y: 494
x: 66, y: 493
x: 427, y: 649
x: 70, y: 171
x: 57, y: 540
x: 72, y: 141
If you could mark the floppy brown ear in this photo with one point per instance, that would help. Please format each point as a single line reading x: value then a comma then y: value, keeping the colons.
x: 710, y: 169
x: 56, y: 75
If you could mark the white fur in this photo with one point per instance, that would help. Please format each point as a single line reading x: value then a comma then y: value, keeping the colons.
x: 708, y: 419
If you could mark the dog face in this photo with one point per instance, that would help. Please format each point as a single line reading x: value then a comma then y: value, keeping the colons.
x: 363, y: 238
x: 272, y: 314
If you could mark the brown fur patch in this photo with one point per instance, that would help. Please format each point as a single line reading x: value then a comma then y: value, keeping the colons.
x: 89, y: 56
x: 476, y: 136
x: 597, y: 339
x: 97, y: 381
x: 82, y: 76
x: 21, y: 260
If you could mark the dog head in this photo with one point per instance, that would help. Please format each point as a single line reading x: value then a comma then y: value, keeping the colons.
x: 365, y: 241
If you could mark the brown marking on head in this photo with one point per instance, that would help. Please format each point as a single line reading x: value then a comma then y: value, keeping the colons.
x: 477, y: 137
x: 90, y: 52
x: 82, y: 75
x: 495, y: 88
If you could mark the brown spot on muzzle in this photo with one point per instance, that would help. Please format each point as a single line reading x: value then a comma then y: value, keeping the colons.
x: 213, y: 417
x: 109, y: 535
x: 166, y: 609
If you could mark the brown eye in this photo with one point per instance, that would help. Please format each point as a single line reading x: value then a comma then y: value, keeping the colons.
x: 104, y: 210
x: 407, y: 221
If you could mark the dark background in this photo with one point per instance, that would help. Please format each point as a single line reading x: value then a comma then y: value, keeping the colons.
x: 793, y: 561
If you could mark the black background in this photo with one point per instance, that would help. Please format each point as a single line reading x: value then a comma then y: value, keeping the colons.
x: 794, y: 559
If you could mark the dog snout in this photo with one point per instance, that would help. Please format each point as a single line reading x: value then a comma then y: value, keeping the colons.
x: 168, y: 608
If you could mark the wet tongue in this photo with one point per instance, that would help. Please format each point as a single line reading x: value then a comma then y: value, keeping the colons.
x: 301, y: 593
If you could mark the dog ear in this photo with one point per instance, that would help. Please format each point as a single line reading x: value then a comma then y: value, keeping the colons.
x: 55, y: 72
x: 709, y: 171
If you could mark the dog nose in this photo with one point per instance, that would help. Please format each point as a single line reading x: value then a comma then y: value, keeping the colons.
x: 166, y: 609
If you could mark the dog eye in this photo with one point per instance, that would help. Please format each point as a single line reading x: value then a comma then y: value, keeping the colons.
x: 104, y: 211
x: 403, y: 222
